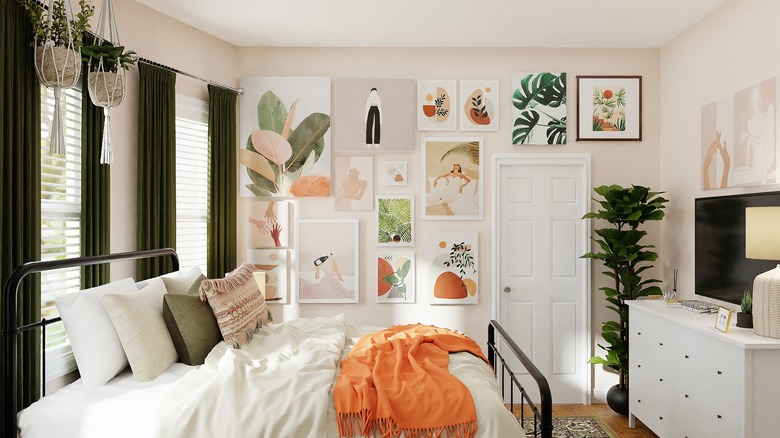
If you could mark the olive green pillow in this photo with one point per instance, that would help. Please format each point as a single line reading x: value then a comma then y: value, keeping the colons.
x: 192, y: 325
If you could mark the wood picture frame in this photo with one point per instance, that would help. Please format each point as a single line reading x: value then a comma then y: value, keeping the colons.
x: 723, y: 319
x: 609, y: 108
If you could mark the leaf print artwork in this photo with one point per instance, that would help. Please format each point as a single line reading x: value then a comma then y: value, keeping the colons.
x: 479, y: 105
x: 395, y: 221
x: 609, y: 108
x: 539, y: 108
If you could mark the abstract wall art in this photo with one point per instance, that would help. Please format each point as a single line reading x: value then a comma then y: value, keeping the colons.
x: 479, y: 108
x: 437, y: 105
x: 453, y: 275
x: 327, y: 261
x: 274, y: 263
x: 395, y: 277
x: 269, y: 224
x: 285, y: 135
x: 373, y: 115
x: 452, y: 173
x: 539, y: 108
x: 395, y: 173
x: 353, y: 187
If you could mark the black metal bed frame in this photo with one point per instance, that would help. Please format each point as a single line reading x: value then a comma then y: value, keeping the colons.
x: 10, y: 331
x: 10, y: 321
x: 542, y: 418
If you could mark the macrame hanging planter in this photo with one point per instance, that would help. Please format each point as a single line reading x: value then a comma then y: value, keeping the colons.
x: 107, y: 80
x: 57, y: 62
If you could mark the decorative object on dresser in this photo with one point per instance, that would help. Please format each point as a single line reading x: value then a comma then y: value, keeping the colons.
x: 723, y: 319
x: 108, y: 61
x: 762, y: 241
x: 625, y: 258
x: 689, y: 379
x: 58, y: 40
x: 745, y: 316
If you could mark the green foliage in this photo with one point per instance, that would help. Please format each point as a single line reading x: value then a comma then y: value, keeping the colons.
x: 746, y: 306
x: 398, y: 278
x: 58, y: 33
x: 625, y: 258
x: 536, y: 92
x: 306, y: 141
x: 394, y: 219
x: 469, y: 149
x: 461, y: 258
x: 112, y: 56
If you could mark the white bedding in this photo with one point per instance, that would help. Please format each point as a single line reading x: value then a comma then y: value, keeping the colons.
x: 127, y: 408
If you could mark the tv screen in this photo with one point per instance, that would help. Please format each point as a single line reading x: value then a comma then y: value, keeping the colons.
x: 721, y: 269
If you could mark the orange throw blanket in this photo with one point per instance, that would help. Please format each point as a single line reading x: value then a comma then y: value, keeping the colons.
x: 396, y: 382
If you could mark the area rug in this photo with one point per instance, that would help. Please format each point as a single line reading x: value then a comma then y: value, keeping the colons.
x: 574, y: 427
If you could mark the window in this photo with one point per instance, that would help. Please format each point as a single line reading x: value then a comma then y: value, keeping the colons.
x: 192, y: 183
x: 60, y: 221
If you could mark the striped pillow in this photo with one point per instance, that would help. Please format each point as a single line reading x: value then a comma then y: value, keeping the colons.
x: 237, y: 303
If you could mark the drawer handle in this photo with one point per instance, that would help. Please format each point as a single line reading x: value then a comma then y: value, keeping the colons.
x: 639, y: 365
x: 719, y: 416
x: 660, y: 380
x: 639, y: 333
x: 660, y: 418
x: 686, y: 395
x: 661, y: 344
x: 686, y: 356
x: 639, y: 401
x: 719, y: 373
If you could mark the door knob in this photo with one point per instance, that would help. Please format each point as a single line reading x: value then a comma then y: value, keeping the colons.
x: 507, y: 290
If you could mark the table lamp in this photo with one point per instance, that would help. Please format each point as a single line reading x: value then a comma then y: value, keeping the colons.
x: 762, y: 242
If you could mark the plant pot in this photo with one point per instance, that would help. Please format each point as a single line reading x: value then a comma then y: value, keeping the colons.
x: 57, y: 66
x: 107, y: 89
x: 617, y: 399
x: 745, y: 320
x: 429, y: 110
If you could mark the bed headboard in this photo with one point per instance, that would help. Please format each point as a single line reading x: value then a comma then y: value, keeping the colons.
x: 10, y: 321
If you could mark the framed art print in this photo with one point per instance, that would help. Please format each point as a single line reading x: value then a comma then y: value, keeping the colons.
x: 395, y: 221
x: 395, y: 277
x: 328, y: 260
x: 452, y: 178
x: 539, y: 108
x: 453, y: 267
x: 269, y: 224
x: 274, y: 263
x: 437, y: 105
x: 609, y: 108
x: 723, y: 319
x: 479, y: 109
x: 353, y: 179
x: 394, y: 173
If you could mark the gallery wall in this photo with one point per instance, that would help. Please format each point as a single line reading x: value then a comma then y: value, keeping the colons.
x: 732, y: 49
x: 174, y: 44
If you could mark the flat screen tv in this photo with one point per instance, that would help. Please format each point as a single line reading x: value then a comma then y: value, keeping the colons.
x: 722, y: 271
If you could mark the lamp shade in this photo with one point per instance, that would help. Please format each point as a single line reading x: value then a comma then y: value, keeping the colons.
x: 762, y: 233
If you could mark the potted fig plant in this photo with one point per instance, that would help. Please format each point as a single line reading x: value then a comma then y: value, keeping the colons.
x: 745, y: 315
x: 625, y: 258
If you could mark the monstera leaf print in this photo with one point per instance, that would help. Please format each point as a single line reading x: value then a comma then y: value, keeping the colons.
x: 275, y: 150
x: 540, y: 103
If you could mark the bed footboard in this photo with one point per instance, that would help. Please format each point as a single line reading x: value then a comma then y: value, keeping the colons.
x: 10, y: 322
x: 542, y: 415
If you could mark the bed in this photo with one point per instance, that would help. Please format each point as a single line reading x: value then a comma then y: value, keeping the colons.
x: 183, y: 399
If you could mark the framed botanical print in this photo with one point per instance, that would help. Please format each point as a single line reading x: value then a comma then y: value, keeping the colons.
x: 609, y: 108
x: 395, y: 221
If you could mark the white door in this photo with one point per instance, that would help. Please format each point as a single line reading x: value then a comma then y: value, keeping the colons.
x: 542, y: 293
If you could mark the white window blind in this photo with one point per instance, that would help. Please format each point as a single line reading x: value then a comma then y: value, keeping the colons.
x: 60, y: 221
x: 192, y: 171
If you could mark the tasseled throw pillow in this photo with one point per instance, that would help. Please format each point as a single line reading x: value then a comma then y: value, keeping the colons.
x: 237, y: 303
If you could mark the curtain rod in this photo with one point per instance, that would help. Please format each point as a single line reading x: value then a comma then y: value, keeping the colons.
x: 177, y: 71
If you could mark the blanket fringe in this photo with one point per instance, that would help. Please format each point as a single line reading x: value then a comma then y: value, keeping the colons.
x: 360, y: 424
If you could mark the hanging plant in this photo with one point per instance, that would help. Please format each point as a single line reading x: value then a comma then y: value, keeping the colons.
x: 106, y: 81
x: 57, y: 41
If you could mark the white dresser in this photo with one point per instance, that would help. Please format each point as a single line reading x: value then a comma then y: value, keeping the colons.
x: 689, y: 380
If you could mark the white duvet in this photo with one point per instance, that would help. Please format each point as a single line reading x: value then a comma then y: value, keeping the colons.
x: 279, y: 385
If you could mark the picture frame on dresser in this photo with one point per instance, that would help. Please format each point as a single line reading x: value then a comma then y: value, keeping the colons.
x: 723, y: 319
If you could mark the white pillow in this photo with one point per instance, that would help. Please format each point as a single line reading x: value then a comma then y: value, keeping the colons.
x: 180, y: 282
x: 96, y: 346
x: 138, y: 320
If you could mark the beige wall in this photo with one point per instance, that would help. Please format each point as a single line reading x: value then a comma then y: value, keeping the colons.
x: 174, y: 44
x: 613, y: 162
x: 733, y: 48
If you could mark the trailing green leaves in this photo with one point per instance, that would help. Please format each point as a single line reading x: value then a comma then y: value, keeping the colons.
x: 536, y: 99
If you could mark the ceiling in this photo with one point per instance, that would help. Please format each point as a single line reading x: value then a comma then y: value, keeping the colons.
x: 440, y: 23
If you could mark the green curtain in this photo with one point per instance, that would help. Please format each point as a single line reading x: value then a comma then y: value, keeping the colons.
x: 95, y: 193
x: 222, y: 182
x: 20, y: 183
x: 156, y: 171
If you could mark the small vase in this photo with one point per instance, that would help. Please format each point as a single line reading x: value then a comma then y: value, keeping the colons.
x: 617, y: 399
x: 745, y: 320
x: 429, y: 110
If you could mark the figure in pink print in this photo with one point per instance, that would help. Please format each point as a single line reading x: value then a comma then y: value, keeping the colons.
x: 373, y: 118
x: 353, y: 188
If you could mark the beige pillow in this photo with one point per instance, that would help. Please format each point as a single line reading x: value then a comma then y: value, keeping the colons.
x: 237, y: 303
x: 180, y: 282
x: 138, y: 320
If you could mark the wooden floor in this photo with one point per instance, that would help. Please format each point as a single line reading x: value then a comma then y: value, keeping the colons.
x: 616, y: 422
